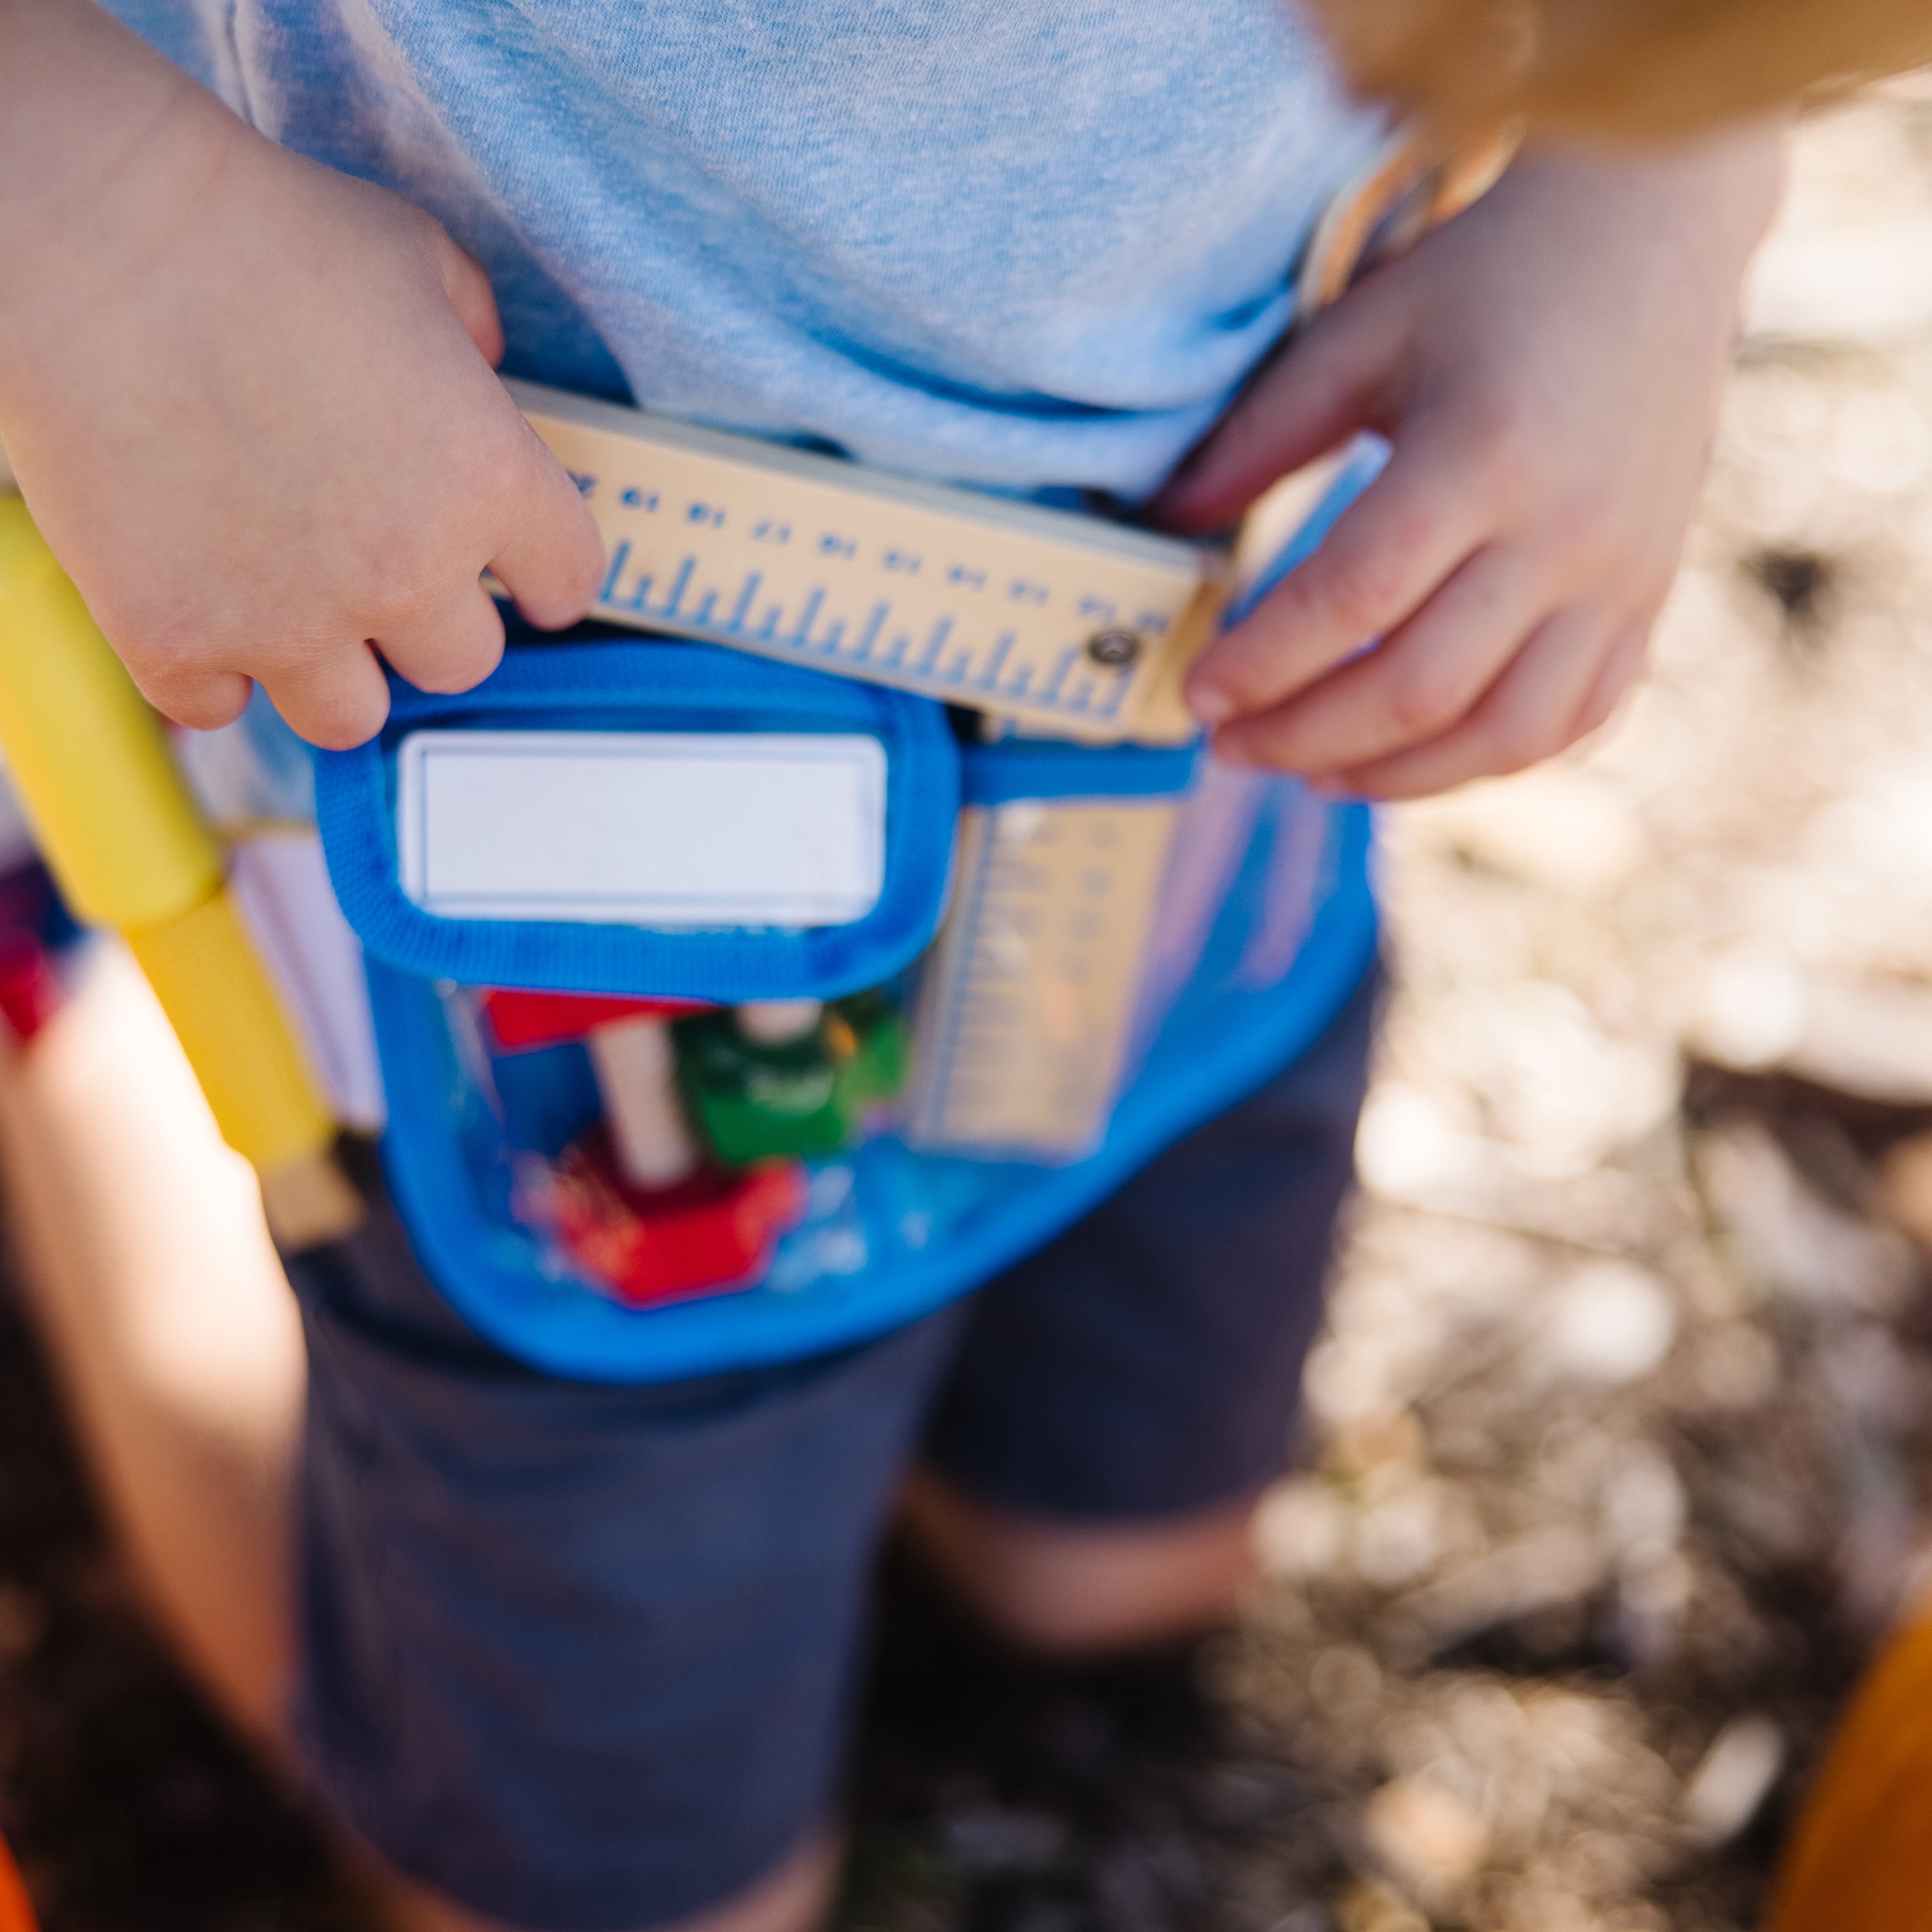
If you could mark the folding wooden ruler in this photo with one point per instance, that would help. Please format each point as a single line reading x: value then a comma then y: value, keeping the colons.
x: 1063, y: 623
x: 1022, y: 1021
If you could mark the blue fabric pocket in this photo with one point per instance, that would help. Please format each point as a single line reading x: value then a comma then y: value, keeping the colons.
x: 650, y: 686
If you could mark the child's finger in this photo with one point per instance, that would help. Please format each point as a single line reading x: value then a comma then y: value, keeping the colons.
x: 552, y: 560
x: 1619, y: 671
x: 203, y: 701
x: 1324, y: 386
x: 1339, y: 706
x: 338, y: 699
x: 454, y: 649
x: 1381, y: 563
x: 1537, y: 708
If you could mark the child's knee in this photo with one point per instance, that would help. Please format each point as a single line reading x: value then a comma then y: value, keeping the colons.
x: 1071, y: 1589
x: 793, y: 1897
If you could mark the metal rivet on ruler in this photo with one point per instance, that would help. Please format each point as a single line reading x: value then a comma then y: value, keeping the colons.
x: 1114, y: 647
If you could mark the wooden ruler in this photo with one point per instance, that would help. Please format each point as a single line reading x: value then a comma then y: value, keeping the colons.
x: 1064, y: 623
x: 1026, y: 1002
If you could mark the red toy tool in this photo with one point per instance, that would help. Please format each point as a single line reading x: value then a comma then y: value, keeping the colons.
x: 712, y: 1231
x: 634, y: 1201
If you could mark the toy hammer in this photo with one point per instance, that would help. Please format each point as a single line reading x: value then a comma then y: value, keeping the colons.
x: 130, y: 850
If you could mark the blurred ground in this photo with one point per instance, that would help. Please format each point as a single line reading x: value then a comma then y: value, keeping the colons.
x: 1619, y: 1445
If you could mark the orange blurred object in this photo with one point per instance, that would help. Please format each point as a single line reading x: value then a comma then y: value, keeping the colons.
x: 17, y: 1910
x: 1861, y: 1859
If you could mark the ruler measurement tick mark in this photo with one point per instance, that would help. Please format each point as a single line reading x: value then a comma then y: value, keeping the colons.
x: 943, y: 591
x: 807, y: 617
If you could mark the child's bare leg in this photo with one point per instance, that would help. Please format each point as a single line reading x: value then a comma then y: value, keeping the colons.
x: 172, y: 1331
x: 794, y: 1898
x: 161, y: 1302
x: 1071, y: 1590
x: 1122, y: 1397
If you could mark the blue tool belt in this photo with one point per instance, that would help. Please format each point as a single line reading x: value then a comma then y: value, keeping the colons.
x: 873, y: 1162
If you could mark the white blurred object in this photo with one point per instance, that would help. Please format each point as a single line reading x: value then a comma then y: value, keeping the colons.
x: 1399, y: 1542
x: 1612, y: 1322
x: 1870, y: 1038
x: 1796, y: 1245
x: 1301, y: 1529
x: 1429, y: 1836
x: 1843, y: 284
x: 1734, y: 1779
x: 1645, y: 1506
x: 1874, y: 1040
x: 1407, y: 1147
x: 1572, y: 832
x: 637, y: 1076
x: 1752, y: 1012
x: 776, y: 1022
x: 1541, y: 1571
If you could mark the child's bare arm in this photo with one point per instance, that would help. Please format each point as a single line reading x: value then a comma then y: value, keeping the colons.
x: 1548, y: 367
x: 249, y: 401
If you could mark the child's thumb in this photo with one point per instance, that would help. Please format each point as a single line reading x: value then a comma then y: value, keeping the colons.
x: 1325, y: 386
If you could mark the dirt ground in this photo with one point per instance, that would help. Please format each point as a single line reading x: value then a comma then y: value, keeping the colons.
x: 1618, y: 1445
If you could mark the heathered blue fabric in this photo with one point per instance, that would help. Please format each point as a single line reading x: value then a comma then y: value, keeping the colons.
x: 1003, y: 241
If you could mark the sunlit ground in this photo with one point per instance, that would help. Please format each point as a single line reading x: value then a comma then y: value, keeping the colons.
x: 1619, y: 1439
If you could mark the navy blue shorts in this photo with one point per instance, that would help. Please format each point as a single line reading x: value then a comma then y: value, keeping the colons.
x: 583, y: 1657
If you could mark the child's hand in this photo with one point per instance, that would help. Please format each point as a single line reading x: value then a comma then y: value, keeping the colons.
x: 251, y: 403
x: 1547, y: 367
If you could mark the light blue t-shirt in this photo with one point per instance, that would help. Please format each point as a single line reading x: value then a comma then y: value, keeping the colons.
x: 1035, y: 247
x: 1028, y: 245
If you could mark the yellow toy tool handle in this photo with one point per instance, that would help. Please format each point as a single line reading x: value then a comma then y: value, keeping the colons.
x: 130, y: 849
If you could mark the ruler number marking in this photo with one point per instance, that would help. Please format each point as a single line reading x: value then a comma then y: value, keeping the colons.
x: 1010, y: 664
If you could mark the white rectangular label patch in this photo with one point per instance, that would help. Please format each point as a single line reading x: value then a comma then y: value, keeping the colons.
x: 665, y: 829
